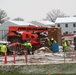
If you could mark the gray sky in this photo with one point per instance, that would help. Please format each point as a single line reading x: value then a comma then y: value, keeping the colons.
x: 36, y: 9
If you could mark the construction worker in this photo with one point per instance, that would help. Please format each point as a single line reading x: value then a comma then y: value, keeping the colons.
x: 48, y: 40
x: 3, y: 49
x: 64, y: 44
x: 49, y: 43
x: 52, y: 41
x: 28, y: 46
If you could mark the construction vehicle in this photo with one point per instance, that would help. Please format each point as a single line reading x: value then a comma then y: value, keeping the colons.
x: 23, y: 33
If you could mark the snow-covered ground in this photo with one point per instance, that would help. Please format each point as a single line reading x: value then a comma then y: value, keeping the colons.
x: 42, y: 56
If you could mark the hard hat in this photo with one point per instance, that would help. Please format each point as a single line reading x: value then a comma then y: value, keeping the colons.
x: 52, y: 38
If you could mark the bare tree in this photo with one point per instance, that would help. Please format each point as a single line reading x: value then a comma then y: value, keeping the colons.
x: 18, y: 19
x: 52, y: 15
x: 3, y: 16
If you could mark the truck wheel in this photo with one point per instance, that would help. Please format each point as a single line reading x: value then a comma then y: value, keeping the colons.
x: 15, y: 39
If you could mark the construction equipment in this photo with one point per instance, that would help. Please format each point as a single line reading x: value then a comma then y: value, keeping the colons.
x: 23, y: 33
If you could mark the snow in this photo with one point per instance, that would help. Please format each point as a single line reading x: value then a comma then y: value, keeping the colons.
x: 40, y: 58
x: 21, y: 22
x: 65, y: 20
x: 47, y: 22
x: 4, y: 42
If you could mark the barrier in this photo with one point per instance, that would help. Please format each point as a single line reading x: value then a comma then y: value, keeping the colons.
x: 25, y: 55
x: 14, y: 56
x: 5, y: 58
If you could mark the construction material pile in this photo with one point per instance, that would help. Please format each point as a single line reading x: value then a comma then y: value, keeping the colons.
x: 42, y: 50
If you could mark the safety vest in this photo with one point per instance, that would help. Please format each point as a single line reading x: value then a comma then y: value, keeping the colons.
x: 64, y: 44
x: 48, y: 41
x: 3, y: 48
x: 27, y: 44
x: 53, y: 42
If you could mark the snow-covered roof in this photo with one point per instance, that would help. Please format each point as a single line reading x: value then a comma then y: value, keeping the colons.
x: 46, y: 22
x: 66, y: 20
x: 21, y: 22
x: 43, y: 23
x: 6, y: 24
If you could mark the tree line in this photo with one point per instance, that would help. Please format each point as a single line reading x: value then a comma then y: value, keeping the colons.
x: 51, y: 16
